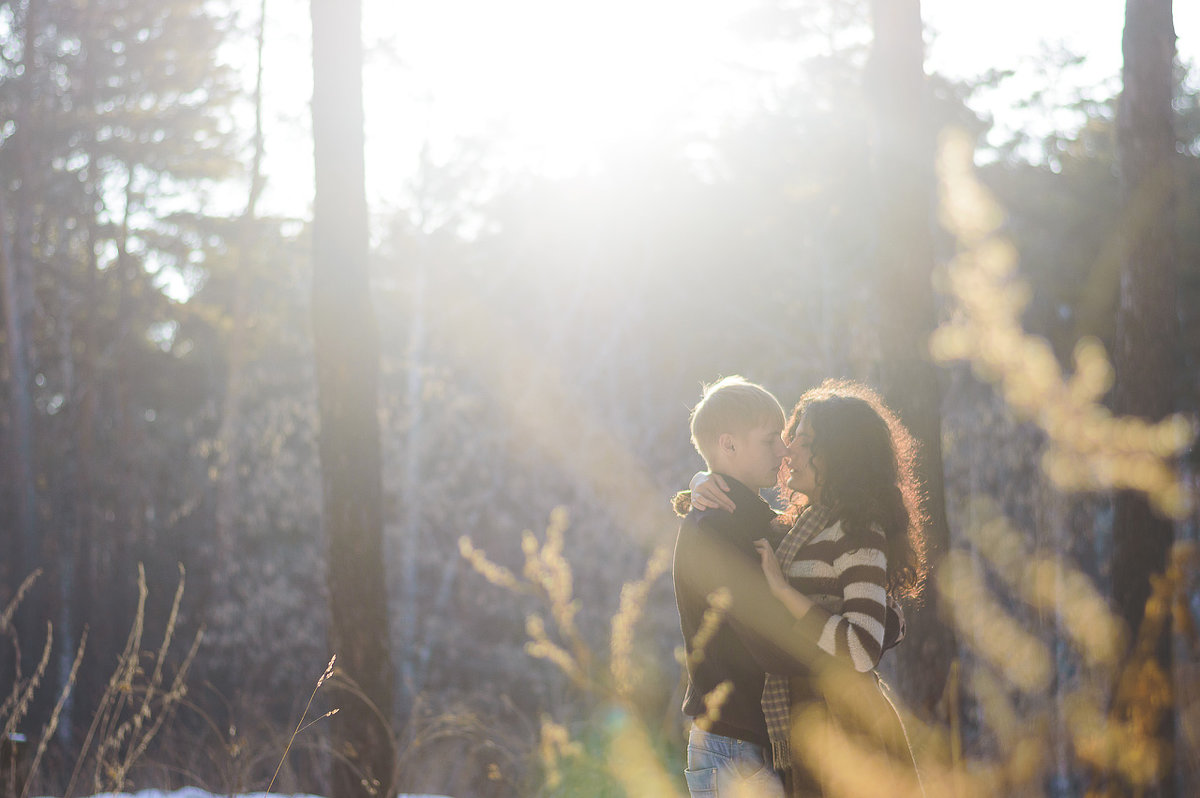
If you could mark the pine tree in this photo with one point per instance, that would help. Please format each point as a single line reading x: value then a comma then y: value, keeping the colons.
x: 902, y: 164
x: 346, y: 343
x: 117, y: 117
x: 1147, y: 355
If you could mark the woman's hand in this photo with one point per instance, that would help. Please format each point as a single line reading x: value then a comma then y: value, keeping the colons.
x: 770, y: 566
x: 710, y: 491
x: 796, y: 602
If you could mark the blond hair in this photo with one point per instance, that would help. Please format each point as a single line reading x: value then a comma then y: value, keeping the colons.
x: 732, y: 404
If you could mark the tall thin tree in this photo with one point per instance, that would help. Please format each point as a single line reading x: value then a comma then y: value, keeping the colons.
x: 1147, y: 338
x: 16, y: 279
x: 346, y: 344
x: 902, y: 154
x: 235, y: 382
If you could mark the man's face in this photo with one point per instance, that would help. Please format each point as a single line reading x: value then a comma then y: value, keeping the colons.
x: 802, y: 477
x: 758, y: 454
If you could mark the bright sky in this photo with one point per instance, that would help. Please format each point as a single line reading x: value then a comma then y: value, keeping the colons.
x: 975, y: 36
x: 439, y: 72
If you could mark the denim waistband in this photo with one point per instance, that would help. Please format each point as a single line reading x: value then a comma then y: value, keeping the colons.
x: 719, y: 743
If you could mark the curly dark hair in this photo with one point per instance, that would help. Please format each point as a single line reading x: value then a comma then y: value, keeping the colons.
x: 868, y: 474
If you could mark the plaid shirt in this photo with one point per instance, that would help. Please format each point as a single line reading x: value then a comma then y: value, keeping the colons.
x: 776, y: 702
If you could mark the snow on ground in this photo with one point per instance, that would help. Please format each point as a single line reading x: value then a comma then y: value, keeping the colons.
x: 196, y: 792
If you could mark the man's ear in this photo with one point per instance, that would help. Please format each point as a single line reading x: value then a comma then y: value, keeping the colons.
x: 726, y: 443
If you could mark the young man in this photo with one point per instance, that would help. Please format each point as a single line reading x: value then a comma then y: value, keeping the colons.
x: 737, y: 429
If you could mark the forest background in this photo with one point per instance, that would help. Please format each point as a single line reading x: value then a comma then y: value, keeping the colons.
x: 542, y: 334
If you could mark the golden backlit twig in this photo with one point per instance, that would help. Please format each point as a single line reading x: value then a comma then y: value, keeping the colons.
x: 1088, y: 448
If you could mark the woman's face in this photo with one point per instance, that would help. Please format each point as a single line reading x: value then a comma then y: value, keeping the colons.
x: 803, y: 471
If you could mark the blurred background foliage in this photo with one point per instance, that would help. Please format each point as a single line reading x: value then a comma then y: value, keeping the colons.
x: 543, y: 338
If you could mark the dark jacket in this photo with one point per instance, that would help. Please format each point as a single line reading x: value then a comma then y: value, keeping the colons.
x: 715, y: 550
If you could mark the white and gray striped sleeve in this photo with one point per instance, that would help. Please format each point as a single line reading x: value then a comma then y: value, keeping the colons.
x: 855, y: 633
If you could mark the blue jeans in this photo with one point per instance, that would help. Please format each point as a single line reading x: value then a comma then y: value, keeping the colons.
x: 725, y: 767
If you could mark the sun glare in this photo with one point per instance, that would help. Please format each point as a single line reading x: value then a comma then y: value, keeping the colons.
x: 553, y: 83
x: 550, y: 86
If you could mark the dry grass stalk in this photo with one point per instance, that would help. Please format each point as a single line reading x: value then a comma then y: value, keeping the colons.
x: 112, y: 701
x: 18, y: 597
x: 23, y: 691
x: 301, y: 725
x: 119, y: 684
x: 1088, y: 448
x: 547, y: 575
x: 496, y: 574
x: 124, y: 740
x: 719, y: 602
x: 170, y: 699
x: 555, y: 745
x: 633, y: 764
x: 52, y: 724
x: 714, y: 699
x: 6, y: 628
x: 540, y: 646
x: 108, y: 726
x: 633, y: 599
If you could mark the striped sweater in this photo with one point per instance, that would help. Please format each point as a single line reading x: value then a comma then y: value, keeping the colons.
x: 846, y: 581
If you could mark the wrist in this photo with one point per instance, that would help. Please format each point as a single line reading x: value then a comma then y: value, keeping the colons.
x: 801, y: 603
x: 698, y: 477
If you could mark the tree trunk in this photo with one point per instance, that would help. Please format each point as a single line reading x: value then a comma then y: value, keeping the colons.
x: 23, y: 546
x: 228, y: 434
x: 412, y: 674
x: 16, y: 278
x: 902, y: 153
x: 346, y: 345
x: 91, y: 571
x: 124, y: 531
x: 68, y: 513
x: 1147, y: 339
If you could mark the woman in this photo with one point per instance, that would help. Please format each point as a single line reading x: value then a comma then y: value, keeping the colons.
x: 855, y: 547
